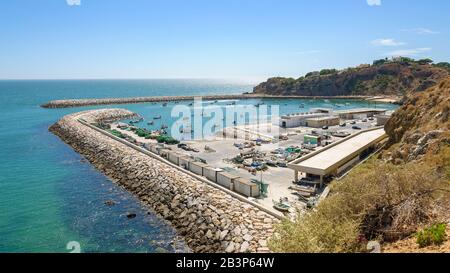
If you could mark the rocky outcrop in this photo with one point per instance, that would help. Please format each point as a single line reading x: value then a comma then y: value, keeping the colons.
x: 395, y: 78
x: 209, y: 219
x: 421, y: 125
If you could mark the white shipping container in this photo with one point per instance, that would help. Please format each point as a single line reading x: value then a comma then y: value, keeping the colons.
x: 173, y: 157
x: 197, y: 167
x: 211, y: 173
x: 246, y: 187
x: 184, y: 162
x: 226, y: 179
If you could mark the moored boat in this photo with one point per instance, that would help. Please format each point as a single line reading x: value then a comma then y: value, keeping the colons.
x: 281, y: 205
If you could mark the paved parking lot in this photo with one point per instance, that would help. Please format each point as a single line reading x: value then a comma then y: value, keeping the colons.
x: 278, y: 178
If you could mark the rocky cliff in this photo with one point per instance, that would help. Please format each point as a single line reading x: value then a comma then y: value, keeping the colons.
x: 421, y: 125
x: 388, y: 78
x: 391, y: 196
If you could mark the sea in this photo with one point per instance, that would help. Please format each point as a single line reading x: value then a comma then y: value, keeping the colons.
x: 53, y: 200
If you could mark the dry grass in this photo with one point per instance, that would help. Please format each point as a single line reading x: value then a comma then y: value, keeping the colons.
x: 376, y: 201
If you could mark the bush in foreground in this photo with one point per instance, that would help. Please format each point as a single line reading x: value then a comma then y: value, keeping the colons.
x: 434, y: 235
x: 377, y: 201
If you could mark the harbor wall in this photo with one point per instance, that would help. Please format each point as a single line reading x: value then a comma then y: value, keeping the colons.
x: 210, y: 219
x: 110, y: 101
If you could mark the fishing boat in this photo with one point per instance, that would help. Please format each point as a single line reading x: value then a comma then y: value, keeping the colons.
x: 302, y: 189
x: 312, y: 202
x: 157, y: 117
x: 164, y: 104
x: 164, y: 126
x: 281, y: 205
x: 271, y: 163
x: 302, y: 106
x: 150, y: 123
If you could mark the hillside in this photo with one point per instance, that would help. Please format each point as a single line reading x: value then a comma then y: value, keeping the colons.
x: 421, y: 125
x: 393, y: 195
x: 382, y: 78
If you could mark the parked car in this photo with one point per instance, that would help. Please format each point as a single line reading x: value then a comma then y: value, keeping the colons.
x: 343, y: 124
x: 364, y: 120
x: 352, y: 122
x: 325, y: 128
x: 356, y: 127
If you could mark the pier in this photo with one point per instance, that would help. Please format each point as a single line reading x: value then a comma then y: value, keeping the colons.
x: 67, y: 103
x: 210, y: 218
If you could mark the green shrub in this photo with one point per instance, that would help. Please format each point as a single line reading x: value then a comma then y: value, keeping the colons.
x: 444, y: 65
x: 311, y: 74
x: 116, y: 133
x: 142, y: 132
x: 425, y: 61
x: 328, y: 71
x: 167, y: 140
x: 434, y: 235
x: 380, y: 61
x: 288, y: 82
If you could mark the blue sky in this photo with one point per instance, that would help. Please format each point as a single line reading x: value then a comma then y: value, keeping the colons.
x: 246, y: 39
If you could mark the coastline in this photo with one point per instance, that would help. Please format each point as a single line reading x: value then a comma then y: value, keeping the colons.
x: 68, y: 103
x: 209, y: 219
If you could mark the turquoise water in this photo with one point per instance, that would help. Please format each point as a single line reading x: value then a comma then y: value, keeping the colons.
x: 149, y: 110
x: 50, y: 196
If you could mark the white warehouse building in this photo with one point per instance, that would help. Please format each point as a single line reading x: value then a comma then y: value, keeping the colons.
x: 301, y: 119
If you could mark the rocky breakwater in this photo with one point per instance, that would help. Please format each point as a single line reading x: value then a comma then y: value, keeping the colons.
x: 209, y: 219
x: 108, y: 101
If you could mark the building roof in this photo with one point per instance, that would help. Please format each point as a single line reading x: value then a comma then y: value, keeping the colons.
x: 324, y: 118
x: 360, y: 110
x: 303, y: 115
x: 229, y: 175
x: 335, y: 155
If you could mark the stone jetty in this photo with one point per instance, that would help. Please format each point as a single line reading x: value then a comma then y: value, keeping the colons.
x: 109, y: 101
x: 209, y: 219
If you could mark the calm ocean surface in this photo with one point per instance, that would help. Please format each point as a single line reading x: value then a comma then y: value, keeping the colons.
x: 50, y: 196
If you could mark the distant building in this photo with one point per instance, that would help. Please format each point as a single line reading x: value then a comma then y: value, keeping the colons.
x: 300, y: 119
x: 360, y: 113
x: 320, y: 122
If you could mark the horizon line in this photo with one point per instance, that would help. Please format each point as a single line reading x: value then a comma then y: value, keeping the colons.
x: 245, y: 80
